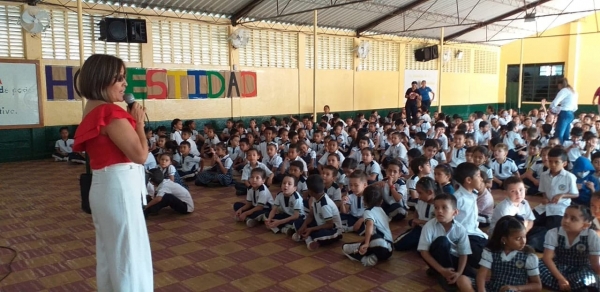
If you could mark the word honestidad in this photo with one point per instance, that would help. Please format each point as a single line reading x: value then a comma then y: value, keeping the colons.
x: 162, y: 83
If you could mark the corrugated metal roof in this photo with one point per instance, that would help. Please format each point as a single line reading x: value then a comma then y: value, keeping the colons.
x: 422, y: 21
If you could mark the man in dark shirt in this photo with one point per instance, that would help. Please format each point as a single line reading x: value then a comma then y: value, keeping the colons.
x: 412, y: 94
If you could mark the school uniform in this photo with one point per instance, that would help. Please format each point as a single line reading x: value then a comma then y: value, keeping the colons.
x: 287, y: 206
x: 458, y: 156
x: 356, y: 209
x: 380, y: 243
x: 272, y: 162
x: 215, y: 174
x: 467, y: 216
x: 512, y: 269
x: 310, y: 158
x: 66, y: 146
x: 173, y: 195
x: 481, y: 138
x: 318, y: 148
x: 150, y: 162
x: 411, y: 185
x: 188, y: 165
x: 301, y: 184
x: 409, y: 240
x: 257, y: 197
x: 564, y: 182
x: 503, y: 170
x: 370, y: 169
x: 572, y: 259
x: 485, y: 208
x: 248, y: 170
x: 395, y: 209
x: 323, y: 160
x: 176, y: 136
x: 446, y: 247
x: 506, y: 207
x: 384, y: 143
x: 342, y: 180
x: 341, y: 139
x: 575, y: 152
x: 323, y: 210
x: 235, y: 152
x: 488, y: 171
x: 356, y: 154
x: 397, y: 151
x: 334, y: 192
x: 171, y: 171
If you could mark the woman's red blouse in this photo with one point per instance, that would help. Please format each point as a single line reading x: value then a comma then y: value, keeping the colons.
x: 100, y: 148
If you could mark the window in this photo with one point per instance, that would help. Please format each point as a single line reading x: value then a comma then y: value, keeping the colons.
x: 540, y: 81
x: 486, y: 62
x: 176, y: 42
x: 268, y: 48
x: 12, y: 42
x: 333, y: 52
x: 383, y: 56
x: 61, y: 40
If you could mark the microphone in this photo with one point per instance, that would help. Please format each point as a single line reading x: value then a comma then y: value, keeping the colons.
x: 129, y: 99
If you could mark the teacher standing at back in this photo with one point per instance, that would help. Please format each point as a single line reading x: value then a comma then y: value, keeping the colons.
x: 426, y: 99
x: 115, y: 142
x: 565, y: 104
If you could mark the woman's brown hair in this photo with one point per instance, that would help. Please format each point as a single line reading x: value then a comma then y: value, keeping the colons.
x: 97, y: 74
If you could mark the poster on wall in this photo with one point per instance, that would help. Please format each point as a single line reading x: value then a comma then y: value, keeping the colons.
x: 431, y: 76
x: 20, y: 102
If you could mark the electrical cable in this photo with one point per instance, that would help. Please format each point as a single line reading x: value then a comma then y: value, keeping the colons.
x: 9, y: 262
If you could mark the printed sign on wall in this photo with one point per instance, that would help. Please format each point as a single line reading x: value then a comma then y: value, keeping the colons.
x: 20, y: 104
x: 162, y: 83
x: 431, y: 76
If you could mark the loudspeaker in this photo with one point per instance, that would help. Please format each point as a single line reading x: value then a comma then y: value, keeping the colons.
x: 420, y: 55
x: 122, y: 30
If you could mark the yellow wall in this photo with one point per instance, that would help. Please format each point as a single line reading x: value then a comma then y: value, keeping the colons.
x: 578, y: 52
x: 281, y: 91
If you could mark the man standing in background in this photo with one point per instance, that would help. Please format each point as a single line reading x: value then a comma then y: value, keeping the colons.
x: 426, y: 99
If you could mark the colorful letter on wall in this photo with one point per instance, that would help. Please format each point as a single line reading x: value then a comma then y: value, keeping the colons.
x: 177, y: 84
x: 197, y: 85
x: 59, y: 83
x: 156, y: 80
x: 136, y: 82
x: 216, y: 84
x: 162, y: 84
x: 248, y: 82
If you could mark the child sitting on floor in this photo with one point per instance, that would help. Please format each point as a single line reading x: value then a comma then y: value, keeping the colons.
x: 323, y: 224
x: 168, y: 194
x: 64, y: 149
x: 287, y: 207
x: 258, y: 200
x: 377, y: 245
x: 221, y: 171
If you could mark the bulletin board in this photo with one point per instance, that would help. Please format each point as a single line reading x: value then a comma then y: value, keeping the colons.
x: 20, y: 100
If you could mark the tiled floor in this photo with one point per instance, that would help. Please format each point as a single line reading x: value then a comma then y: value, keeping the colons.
x: 40, y: 217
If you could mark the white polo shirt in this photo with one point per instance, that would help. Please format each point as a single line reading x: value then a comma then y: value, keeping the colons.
x: 323, y: 160
x: 503, y: 170
x: 357, y: 205
x: 482, y: 138
x: 467, y: 211
x: 260, y: 196
x: 248, y: 170
x: 65, y: 145
x: 458, y: 156
x: 290, y: 204
x: 457, y: 235
x: 380, y: 222
x: 397, y: 151
x: 563, y: 183
x: 325, y: 210
x: 175, y: 189
x: 371, y: 168
x: 334, y: 192
x: 506, y: 207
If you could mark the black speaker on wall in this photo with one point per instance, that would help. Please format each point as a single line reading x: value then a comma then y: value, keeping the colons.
x: 123, y: 30
x: 426, y: 54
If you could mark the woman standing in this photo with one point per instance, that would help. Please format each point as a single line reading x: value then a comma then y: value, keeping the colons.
x: 565, y: 105
x: 412, y: 94
x: 116, y: 145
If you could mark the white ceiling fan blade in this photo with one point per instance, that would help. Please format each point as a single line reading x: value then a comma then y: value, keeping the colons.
x: 27, y: 17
